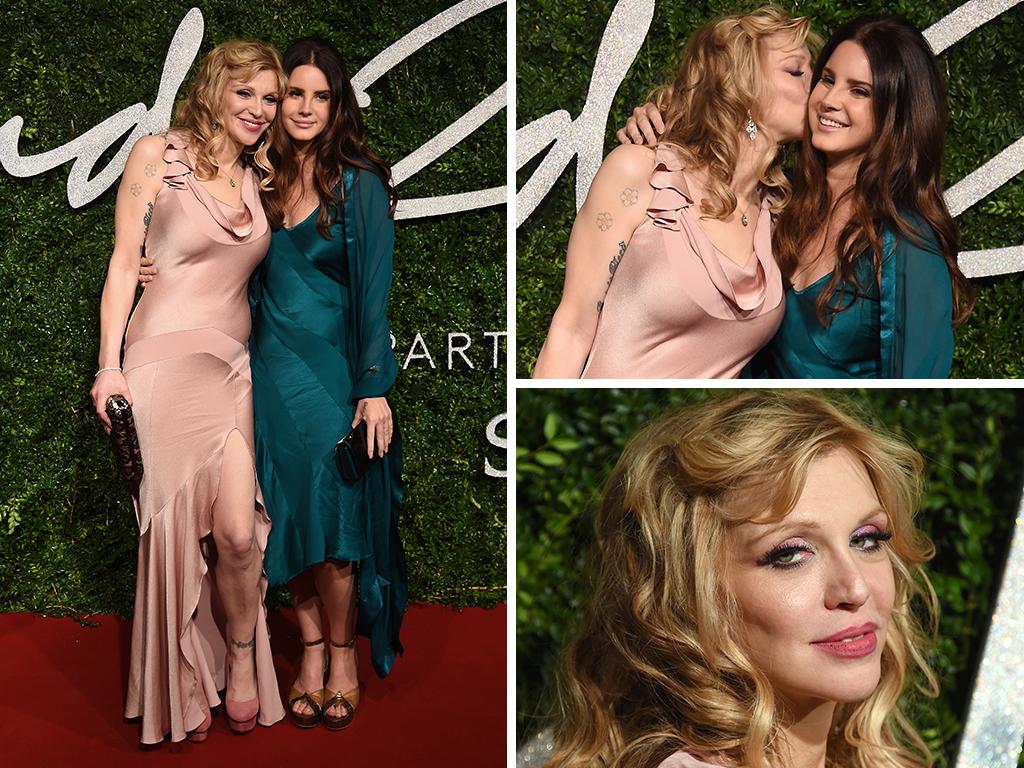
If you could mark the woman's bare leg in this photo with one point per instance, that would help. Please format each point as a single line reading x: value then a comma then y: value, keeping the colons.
x: 307, y: 612
x: 238, y: 563
x: 335, y: 581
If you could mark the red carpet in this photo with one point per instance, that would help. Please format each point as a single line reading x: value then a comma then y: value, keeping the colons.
x: 62, y: 695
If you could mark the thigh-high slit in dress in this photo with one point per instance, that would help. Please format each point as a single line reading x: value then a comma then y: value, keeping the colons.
x: 186, y: 362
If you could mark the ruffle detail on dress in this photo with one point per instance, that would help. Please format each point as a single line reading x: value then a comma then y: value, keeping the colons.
x: 750, y: 289
x: 178, y: 175
x: 178, y: 166
x: 671, y: 194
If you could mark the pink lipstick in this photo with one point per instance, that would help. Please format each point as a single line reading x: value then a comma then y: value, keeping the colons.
x: 851, y: 643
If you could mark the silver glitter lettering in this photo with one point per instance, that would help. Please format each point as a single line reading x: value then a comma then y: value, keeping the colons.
x: 583, y: 137
x: 88, y: 147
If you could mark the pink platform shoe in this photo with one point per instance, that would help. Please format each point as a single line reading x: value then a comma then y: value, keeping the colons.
x: 241, y: 714
x: 198, y: 736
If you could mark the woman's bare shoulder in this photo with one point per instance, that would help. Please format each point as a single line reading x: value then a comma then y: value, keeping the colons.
x: 630, y: 161
x: 149, y: 148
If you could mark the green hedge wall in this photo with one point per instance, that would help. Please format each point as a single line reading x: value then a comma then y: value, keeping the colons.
x: 568, y: 441
x: 556, y: 49
x: 67, y: 530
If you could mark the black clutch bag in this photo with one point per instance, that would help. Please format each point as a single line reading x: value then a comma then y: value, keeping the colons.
x: 350, y: 452
x: 124, y: 438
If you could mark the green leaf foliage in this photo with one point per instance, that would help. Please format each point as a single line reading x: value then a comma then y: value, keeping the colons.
x: 67, y: 529
x: 973, y: 445
x: 556, y: 48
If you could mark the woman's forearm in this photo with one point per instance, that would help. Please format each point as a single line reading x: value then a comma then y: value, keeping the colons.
x: 115, y: 304
x: 565, y: 349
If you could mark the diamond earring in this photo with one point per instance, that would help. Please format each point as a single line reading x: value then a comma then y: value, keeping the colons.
x: 751, y: 127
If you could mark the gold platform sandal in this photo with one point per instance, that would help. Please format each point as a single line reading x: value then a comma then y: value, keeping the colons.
x: 348, y: 700
x: 314, y: 699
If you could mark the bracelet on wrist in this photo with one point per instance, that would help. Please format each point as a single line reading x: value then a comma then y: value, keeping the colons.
x: 101, y: 370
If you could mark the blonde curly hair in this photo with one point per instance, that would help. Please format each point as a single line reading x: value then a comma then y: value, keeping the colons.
x: 658, y: 664
x: 198, y: 112
x: 719, y: 79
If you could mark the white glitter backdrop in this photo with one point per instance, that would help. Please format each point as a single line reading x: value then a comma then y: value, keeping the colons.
x: 626, y: 30
x: 995, y: 720
x: 87, y: 148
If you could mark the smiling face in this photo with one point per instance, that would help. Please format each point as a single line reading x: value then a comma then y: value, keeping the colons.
x: 248, y: 107
x: 787, y: 64
x: 840, y: 110
x: 307, y: 103
x: 816, y: 589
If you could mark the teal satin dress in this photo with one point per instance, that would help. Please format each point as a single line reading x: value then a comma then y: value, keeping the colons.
x: 901, y: 328
x: 321, y: 342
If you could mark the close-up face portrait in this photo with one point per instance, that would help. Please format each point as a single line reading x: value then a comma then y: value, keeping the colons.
x: 815, y: 589
x: 756, y: 578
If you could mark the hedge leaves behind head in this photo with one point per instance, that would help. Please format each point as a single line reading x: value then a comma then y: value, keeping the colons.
x: 67, y: 530
x: 556, y: 47
x: 567, y: 442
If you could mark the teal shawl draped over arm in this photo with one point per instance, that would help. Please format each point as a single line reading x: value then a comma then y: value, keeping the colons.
x: 369, y: 244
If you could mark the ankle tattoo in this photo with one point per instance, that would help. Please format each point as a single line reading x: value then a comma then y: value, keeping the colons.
x: 246, y: 644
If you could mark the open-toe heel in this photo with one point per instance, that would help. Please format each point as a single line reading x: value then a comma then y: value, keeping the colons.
x: 349, y: 700
x: 313, y: 699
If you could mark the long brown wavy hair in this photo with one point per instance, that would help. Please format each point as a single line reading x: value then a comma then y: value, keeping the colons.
x: 198, y: 113
x: 340, y: 144
x: 659, y: 663
x: 900, y: 175
x: 719, y: 78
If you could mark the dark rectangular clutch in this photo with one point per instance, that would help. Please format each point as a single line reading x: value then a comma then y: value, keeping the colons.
x: 124, y: 438
x: 350, y: 454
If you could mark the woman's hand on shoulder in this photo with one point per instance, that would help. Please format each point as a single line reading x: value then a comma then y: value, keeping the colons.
x: 644, y: 126
x: 376, y: 412
x: 107, y: 383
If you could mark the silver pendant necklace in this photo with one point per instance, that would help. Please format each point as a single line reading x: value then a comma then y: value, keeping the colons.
x: 231, y: 178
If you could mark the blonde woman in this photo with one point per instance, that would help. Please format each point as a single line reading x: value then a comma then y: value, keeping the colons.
x: 191, y: 199
x: 756, y: 564
x: 669, y: 271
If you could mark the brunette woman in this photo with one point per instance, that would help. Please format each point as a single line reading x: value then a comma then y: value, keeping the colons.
x: 867, y: 243
x: 191, y: 199
x: 322, y: 362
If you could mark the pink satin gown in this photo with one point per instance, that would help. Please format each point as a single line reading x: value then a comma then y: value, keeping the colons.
x: 187, y: 365
x: 677, y: 307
